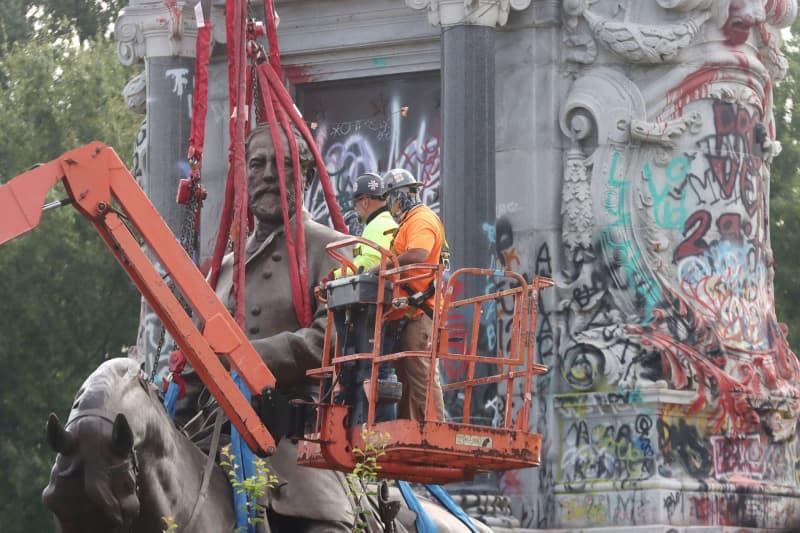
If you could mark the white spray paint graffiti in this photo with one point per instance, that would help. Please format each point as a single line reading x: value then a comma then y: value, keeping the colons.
x: 180, y: 79
x: 390, y: 139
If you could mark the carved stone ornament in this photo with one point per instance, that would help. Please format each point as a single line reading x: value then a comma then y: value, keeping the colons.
x: 471, y: 12
x: 155, y: 29
x: 666, y: 133
x: 135, y: 94
x: 644, y: 43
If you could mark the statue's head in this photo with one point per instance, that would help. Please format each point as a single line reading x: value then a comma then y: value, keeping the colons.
x: 263, y: 191
x: 93, y: 483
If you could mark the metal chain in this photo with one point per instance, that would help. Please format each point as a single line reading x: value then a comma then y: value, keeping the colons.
x: 160, y: 347
x: 188, y: 240
x: 256, y: 87
x: 188, y: 233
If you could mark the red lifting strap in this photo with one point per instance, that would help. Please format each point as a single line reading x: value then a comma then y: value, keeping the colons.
x: 200, y: 99
x: 235, y: 19
x: 272, y: 37
x: 277, y: 108
x: 322, y: 172
x: 297, y: 265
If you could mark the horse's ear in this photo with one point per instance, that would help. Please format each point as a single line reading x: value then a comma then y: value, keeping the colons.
x: 121, y: 436
x: 57, y: 437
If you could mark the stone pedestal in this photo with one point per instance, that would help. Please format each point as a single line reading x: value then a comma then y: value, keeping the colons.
x: 672, y: 399
x: 649, y: 457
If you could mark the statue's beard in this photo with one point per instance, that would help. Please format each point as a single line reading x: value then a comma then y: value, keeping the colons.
x: 266, y: 206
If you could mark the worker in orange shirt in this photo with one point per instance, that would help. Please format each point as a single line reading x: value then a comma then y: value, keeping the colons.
x: 420, y: 238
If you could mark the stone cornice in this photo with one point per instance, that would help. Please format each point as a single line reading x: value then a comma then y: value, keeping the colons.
x: 490, y: 13
x: 147, y: 28
x: 354, y: 38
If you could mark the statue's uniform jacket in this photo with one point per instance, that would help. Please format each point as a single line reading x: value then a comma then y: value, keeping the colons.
x: 289, y: 351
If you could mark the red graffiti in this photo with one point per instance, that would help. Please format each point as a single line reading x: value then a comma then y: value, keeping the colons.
x: 423, y: 157
x: 298, y: 74
x: 738, y: 455
x: 511, y: 485
x: 174, y: 11
x: 743, y: 15
x: 779, y: 13
x: 509, y: 258
x: 732, y: 159
x: 695, y: 228
x: 730, y: 155
x: 694, y: 87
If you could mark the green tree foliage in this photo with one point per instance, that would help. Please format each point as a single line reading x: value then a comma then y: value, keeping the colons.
x: 20, y: 20
x: 785, y: 194
x: 64, y: 302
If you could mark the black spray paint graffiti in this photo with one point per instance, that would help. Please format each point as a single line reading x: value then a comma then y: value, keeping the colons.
x: 682, y: 447
x: 730, y: 154
x: 615, y: 452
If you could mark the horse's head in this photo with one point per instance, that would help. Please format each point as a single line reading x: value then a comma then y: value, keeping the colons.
x: 94, y: 481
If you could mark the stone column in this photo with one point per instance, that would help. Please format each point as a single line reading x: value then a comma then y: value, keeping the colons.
x: 161, y: 34
x: 468, y: 79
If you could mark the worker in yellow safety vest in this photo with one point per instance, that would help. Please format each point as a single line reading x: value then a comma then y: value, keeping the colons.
x: 379, y: 226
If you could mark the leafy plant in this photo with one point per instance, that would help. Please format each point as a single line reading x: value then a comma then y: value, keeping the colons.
x: 170, y: 525
x: 253, y: 488
x: 361, y: 482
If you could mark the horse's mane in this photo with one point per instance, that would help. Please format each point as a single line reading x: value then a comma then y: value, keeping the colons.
x: 107, y: 383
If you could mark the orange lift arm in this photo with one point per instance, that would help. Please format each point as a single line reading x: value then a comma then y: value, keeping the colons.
x: 103, y: 190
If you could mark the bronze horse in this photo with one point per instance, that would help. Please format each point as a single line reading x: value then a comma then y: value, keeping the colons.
x: 123, y: 465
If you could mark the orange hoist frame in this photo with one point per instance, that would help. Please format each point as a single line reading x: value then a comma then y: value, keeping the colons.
x: 103, y: 190
x: 433, y: 451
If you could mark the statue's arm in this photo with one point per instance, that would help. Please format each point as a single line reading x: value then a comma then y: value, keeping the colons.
x: 290, y: 353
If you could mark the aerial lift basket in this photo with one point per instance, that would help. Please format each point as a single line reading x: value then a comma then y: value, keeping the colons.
x: 429, y: 451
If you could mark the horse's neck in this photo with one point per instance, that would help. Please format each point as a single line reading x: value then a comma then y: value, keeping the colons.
x: 174, y: 482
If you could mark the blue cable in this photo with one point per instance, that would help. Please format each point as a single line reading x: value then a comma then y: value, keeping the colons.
x: 441, y: 494
x: 423, y: 522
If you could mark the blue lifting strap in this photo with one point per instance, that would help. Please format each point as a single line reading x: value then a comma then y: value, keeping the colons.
x: 243, y: 459
x: 447, y: 501
x: 171, y: 398
x: 423, y: 521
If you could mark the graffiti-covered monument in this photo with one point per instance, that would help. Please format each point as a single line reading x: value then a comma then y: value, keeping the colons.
x: 622, y: 147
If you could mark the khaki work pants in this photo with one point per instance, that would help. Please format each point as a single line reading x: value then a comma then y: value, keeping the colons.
x: 413, y: 371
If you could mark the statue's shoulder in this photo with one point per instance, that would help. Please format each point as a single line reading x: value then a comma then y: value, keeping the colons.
x: 321, y: 234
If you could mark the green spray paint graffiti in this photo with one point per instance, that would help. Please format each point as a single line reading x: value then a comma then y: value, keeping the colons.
x: 665, y: 213
x: 622, y: 250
